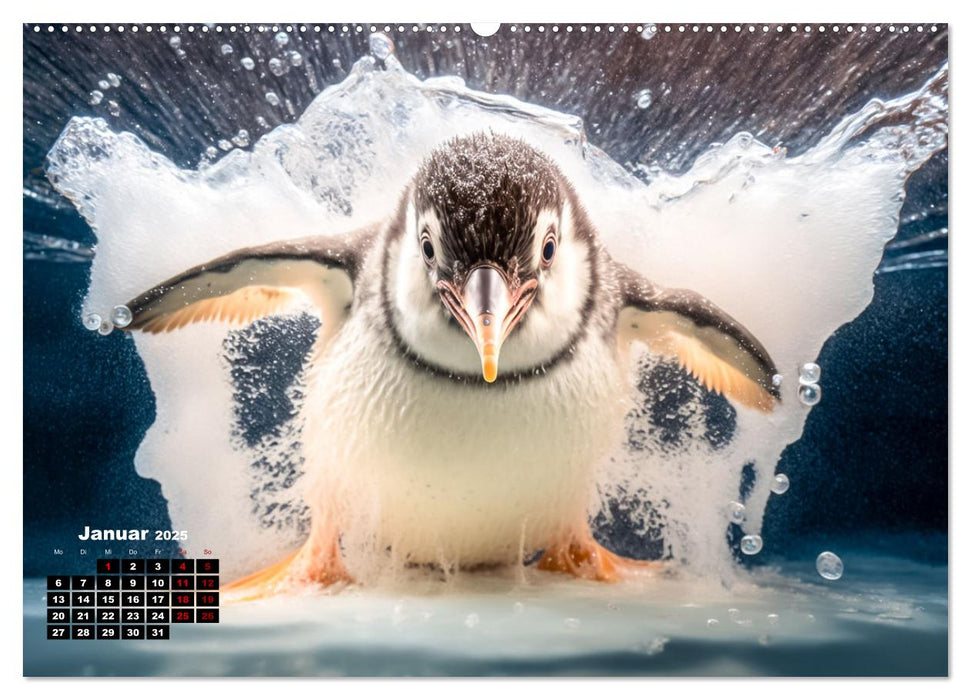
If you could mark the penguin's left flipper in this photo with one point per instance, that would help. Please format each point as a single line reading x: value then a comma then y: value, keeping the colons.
x: 254, y: 282
x: 711, y: 345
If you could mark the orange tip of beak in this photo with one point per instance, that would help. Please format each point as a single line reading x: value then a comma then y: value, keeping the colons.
x: 490, y: 364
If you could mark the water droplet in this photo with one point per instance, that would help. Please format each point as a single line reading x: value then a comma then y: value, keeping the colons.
x: 773, y: 619
x: 175, y: 42
x: 829, y: 566
x: 736, y: 512
x: 247, y: 63
x: 571, y: 623
x: 649, y: 31
x: 780, y: 484
x: 810, y: 394
x: 262, y: 123
x: 776, y: 380
x: 95, y: 97
x: 272, y: 98
x: 296, y: 59
x: 472, y: 621
x: 226, y: 49
x: 113, y: 108
x: 104, y: 84
x: 106, y: 327
x: 733, y: 613
x: 643, y: 98
x: 211, y: 152
x: 282, y: 38
x: 225, y: 144
x: 121, y: 316
x: 751, y: 544
x: 241, y: 138
x: 381, y: 46
x: 809, y: 373
x: 92, y: 322
x: 712, y: 622
x: 277, y: 67
x: 114, y: 79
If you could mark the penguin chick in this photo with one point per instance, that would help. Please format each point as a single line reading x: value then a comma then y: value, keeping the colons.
x: 471, y: 369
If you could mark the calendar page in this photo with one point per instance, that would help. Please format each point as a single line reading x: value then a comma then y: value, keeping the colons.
x: 447, y: 349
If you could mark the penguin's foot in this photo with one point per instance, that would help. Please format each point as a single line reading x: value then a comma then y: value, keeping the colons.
x: 585, y: 558
x: 307, y: 566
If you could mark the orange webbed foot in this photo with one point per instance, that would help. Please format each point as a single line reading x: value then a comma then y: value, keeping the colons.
x: 307, y: 566
x: 586, y: 559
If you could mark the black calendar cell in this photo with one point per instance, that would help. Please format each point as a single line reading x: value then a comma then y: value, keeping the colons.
x: 107, y: 583
x: 207, y: 600
x: 133, y: 600
x: 133, y: 566
x: 157, y: 583
x: 183, y: 616
x: 207, y: 615
x: 109, y: 616
x: 157, y: 566
x: 157, y: 600
x: 109, y: 632
x: 56, y: 599
x: 157, y: 632
x: 158, y: 617
x: 182, y: 600
x: 58, y: 583
x: 135, y: 616
x: 82, y: 583
x: 58, y: 615
x: 109, y: 566
x: 207, y: 583
x: 58, y: 632
x: 183, y: 566
x: 182, y: 583
x: 207, y: 566
x: 82, y: 599
x: 108, y: 599
x: 133, y: 583
x: 82, y: 616
x: 132, y: 632
x: 82, y: 632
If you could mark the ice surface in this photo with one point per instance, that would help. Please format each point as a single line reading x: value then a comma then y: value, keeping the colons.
x: 786, y: 245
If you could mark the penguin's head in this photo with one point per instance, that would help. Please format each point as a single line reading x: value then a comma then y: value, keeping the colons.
x: 496, y: 250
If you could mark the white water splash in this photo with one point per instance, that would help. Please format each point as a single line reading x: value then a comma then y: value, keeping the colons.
x: 786, y: 245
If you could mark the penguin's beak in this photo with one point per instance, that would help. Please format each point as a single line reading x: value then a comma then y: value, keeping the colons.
x: 488, y: 308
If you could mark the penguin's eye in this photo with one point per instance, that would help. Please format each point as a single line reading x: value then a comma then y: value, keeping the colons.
x: 549, y: 248
x: 427, y: 249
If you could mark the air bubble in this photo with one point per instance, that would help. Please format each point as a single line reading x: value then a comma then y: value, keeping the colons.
x: 104, y: 84
x: 282, y: 39
x: 113, y: 108
x: 571, y: 623
x: 472, y: 621
x: 247, y: 63
x: 809, y: 373
x: 277, y: 67
x: 649, y: 31
x: 296, y: 59
x: 780, y: 484
x: 751, y: 544
x: 114, y: 79
x: 225, y: 144
x: 776, y: 380
x: 643, y: 98
x: 95, y: 97
x: 810, y: 394
x: 175, y: 42
x: 773, y: 619
x: 241, y: 138
x: 829, y: 566
x: 226, y: 49
x: 92, y: 322
x: 712, y: 623
x: 736, y: 512
x: 121, y: 316
x: 381, y: 46
x: 272, y: 98
x: 106, y: 327
x: 518, y: 608
x: 211, y: 152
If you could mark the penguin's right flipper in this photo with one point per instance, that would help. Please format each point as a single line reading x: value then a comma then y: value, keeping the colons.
x: 253, y: 282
